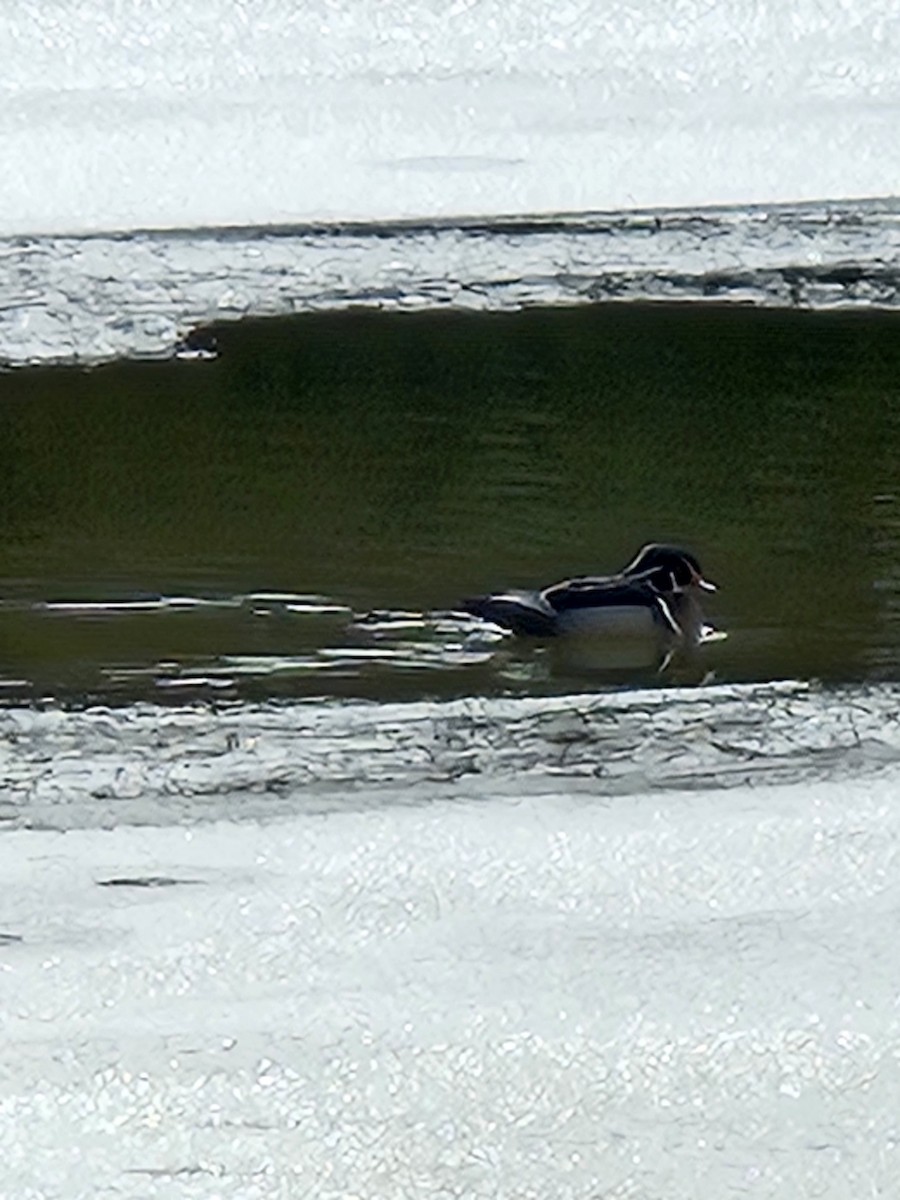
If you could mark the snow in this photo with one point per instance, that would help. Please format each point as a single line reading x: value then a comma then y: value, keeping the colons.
x: 671, y: 995
x: 573, y: 946
x: 121, y: 115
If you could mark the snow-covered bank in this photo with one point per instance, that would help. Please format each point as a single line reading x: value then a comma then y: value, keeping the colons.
x: 93, y: 299
x: 661, y: 996
x: 119, y: 116
x: 146, y: 764
x: 116, y: 118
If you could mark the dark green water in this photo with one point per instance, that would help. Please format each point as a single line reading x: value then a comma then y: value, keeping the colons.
x: 399, y: 462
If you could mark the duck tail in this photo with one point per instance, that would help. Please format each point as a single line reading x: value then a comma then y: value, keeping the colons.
x: 520, y: 614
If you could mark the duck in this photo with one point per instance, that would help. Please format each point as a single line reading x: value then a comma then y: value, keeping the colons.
x: 656, y: 594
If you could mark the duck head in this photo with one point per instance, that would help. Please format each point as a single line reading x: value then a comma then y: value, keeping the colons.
x: 667, y: 569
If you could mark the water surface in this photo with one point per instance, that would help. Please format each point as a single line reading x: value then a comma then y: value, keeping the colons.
x: 299, y: 516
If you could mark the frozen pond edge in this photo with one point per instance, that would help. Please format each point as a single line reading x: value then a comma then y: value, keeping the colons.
x: 525, y: 998
x: 96, y: 298
x: 148, y: 764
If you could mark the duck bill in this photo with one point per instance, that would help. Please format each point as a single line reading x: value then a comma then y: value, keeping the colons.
x: 706, y: 584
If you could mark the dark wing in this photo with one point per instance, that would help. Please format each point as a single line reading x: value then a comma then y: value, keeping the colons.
x: 593, y: 591
x: 525, y: 613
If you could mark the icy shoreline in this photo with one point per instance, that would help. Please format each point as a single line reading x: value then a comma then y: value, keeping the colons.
x: 633, y: 998
x: 96, y: 298
x: 582, y: 945
x: 146, y: 764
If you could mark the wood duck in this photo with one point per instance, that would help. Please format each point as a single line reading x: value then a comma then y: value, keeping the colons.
x: 656, y: 594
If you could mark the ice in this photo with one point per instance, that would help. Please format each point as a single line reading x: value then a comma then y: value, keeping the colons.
x: 150, y: 764
x: 92, y: 298
x: 436, y: 950
x: 677, y: 995
x: 127, y: 115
